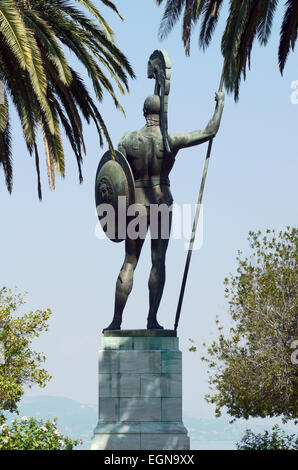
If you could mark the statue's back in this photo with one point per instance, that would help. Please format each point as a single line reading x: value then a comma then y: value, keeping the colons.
x: 144, y: 150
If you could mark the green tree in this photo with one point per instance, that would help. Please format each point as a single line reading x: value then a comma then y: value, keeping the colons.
x: 276, y: 440
x: 247, y: 21
x: 20, y: 366
x: 47, y: 92
x: 33, y: 434
x: 251, y: 366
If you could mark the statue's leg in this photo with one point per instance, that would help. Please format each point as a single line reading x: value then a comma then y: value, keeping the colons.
x: 157, y: 277
x: 125, y: 279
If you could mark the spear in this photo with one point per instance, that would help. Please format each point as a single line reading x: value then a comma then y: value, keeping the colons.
x: 195, y: 222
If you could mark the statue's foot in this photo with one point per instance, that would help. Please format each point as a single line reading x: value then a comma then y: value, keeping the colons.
x: 113, y: 326
x: 154, y: 325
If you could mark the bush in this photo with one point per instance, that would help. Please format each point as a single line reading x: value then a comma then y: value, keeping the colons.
x: 276, y: 440
x: 33, y: 434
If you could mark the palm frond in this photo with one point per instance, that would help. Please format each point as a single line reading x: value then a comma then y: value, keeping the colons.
x: 3, y: 108
x: 6, y: 156
x: 73, y: 139
x: 266, y: 10
x: 288, y: 33
x: 39, y: 81
x: 14, y: 32
x: 170, y: 17
x: 50, y: 161
x: 245, y: 45
x: 247, y: 20
x: 210, y: 12
x: 186, y: 29
x: 113, y: 7
x: 39, y: 191
x: 47, y: 41
x: 239, y: 12
x: 94, y: 11
x: 18, y: 85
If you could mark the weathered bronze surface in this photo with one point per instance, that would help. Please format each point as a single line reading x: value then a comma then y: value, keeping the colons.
x: 151, y: 153
x: 114, y: 179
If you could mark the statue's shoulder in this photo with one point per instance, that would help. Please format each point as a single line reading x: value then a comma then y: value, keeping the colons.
x: 128, y: 137
x: 124, y: 138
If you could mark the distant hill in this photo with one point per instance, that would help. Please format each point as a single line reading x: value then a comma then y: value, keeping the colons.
x: 78, y: 421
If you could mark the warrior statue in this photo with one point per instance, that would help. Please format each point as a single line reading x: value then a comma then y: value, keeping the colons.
x: 150, y: 153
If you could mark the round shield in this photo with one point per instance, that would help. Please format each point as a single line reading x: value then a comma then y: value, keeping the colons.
x: 114, y: 192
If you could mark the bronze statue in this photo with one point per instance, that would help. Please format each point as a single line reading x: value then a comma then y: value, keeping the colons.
x: 150, y: 153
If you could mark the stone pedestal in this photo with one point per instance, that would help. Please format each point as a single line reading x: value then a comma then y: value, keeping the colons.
x: 140, y: 392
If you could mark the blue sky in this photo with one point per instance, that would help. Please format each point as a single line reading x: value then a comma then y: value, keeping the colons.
x: 50, y: 250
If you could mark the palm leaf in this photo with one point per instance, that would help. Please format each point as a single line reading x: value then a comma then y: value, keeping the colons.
x: 186, y: 29
x: 18, y: 86
x: 247, y: 19
x: 39, y: 81
x: 39, y: 191
x: 3, y: 108
x: 6, y: 156
x: 170, y: 16
x: 94, y: 11
x: 47, y: 41
x: 288, y: 33
x: 239, y: 12
x: 73, y: 139
x: 14, y: 32
x: 49, y: 156
x: 210, y: 12
x: 266, y: 9
x: 113, y: 7
x: 64, y: 94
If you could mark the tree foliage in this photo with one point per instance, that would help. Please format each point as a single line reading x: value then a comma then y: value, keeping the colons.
x: 33, y: 434
x: 247, y: 21
x: 274, y: 440
x: 48, y: 94
x: 250, y: 366
x: 20, y: 366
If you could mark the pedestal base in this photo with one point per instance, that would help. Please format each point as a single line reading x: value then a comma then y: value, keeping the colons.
x: 140, y: 393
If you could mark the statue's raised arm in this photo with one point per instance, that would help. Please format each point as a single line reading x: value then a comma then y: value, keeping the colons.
x: 189, y: 139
